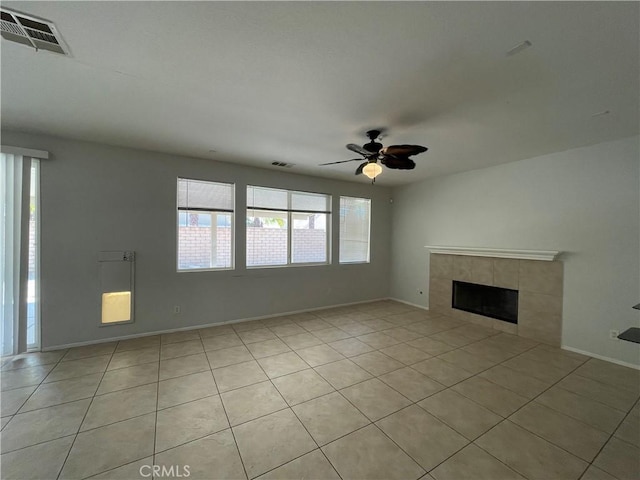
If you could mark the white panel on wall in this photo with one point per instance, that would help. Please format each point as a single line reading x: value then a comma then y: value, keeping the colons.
x: 117, y: 286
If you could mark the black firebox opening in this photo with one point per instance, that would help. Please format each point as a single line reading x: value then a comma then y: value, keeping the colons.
x: 494, y: 302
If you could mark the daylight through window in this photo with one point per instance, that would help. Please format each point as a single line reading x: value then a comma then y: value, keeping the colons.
x: 355, y: 221
x: 205, y: 225
x: 287, y: 227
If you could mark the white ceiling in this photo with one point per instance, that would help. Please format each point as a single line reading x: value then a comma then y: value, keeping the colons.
x: 295, y: 81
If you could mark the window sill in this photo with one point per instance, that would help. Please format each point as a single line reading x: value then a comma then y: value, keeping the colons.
x: 195, y: 270
x: 290, y: 265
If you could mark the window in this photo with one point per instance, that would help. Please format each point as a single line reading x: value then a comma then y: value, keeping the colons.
x: 205, y: 225
x: 286, y: 227
x: 355, y: 221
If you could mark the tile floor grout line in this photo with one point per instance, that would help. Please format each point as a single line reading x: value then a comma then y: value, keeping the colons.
x: 512, y: 391
x: 606, y: 385
x: 482, y: 371
x: 112, y: 469
x: 534, y: 433
x: 294, y: 413
x: 67, y: 402
x: 310, y: 436
x: 116, y: 422
x: 555, y: 384
x: 513, y: 468
x: 8, y: 370
x: 155, y: 423
x: 446, y: 388
x: 341, y: 437
x: 35, y: 389
x: 371, y: 422
x: 224, y: 409
x: 192, y: 401
x: 612, y: 435
x: 39, y: 443
x: 188, y: 401
x: 84, y: 416
x: 402, y: 449
x: 296, y: 458
x: 472, y: 442
x: 637, y: 395
x: 187, y: 442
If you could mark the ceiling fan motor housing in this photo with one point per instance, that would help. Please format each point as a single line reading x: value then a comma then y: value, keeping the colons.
x: 373, y: 147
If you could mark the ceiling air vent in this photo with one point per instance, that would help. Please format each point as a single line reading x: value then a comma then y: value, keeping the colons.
x: 282, y: 164
x: 31, y: 31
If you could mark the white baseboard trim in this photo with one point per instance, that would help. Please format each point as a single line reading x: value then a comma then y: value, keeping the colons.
x: 207, y: 325
x: 601, y: 357
x: 422, y: 307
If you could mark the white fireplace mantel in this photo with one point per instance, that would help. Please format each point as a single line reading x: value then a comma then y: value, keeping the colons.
x: 546, y: 255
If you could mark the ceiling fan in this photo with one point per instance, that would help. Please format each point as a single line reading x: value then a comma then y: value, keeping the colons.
x: 394, y: 156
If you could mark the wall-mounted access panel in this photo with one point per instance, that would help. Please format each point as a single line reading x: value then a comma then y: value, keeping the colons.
x: 117, y: 285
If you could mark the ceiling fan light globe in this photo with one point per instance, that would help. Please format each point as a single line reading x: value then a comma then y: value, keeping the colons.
x: 372, y: 170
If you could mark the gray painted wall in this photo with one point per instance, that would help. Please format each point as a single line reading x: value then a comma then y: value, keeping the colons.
x: 96, y: 197
x: 585, y: 202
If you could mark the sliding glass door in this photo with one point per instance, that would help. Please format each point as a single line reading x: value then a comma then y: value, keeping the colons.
x: 19, y: 253
x: 33, y: 272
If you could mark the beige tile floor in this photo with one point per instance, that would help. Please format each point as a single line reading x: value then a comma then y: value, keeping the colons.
x: 379, y: 390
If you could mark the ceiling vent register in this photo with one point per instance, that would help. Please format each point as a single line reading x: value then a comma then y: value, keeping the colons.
x: 32, y: 31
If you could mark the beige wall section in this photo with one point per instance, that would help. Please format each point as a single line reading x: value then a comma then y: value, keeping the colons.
x: 539, y: 284
x: 584, y: 202
x: 96, y: 198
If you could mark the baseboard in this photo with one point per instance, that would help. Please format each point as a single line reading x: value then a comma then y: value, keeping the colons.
x: 421, y: 307
x: 207, y: 325
x: 601, y: 357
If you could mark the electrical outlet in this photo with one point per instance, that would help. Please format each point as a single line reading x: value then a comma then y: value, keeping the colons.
x: 613, y: 334
x: 176, y: 309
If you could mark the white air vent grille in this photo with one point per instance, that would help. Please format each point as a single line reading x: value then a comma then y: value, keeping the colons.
x: 282, y: 164
x: 31, y: 31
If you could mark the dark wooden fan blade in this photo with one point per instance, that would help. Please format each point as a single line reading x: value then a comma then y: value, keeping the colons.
x: 403, y: 150
x: 359, y: 169
x: 358, y: 149
x: 398, y: 163
x: 342, y: 161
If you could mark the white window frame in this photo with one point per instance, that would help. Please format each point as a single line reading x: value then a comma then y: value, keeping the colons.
x: 358, y: 262
x: 289, y: 212
x: 207, y: 210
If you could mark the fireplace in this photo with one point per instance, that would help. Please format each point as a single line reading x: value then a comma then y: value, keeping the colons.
x: 536, y: 275
x: 494, y: 302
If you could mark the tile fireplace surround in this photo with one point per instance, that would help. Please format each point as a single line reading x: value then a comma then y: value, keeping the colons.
x: 539, y: 284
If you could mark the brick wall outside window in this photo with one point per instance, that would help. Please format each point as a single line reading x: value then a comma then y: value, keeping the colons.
x: 195, y: 243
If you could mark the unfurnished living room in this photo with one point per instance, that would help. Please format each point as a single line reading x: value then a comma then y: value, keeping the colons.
x: 320, y: 240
